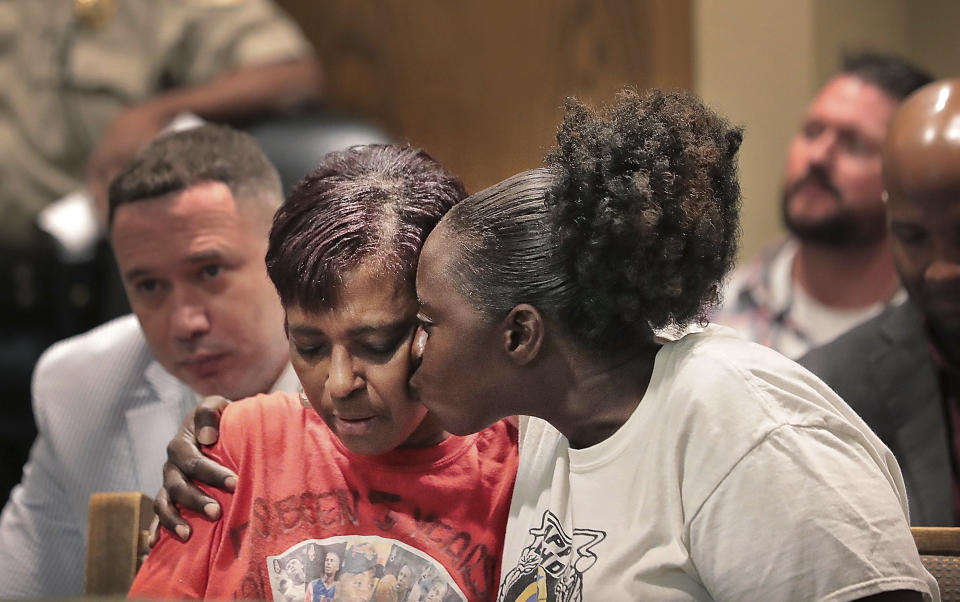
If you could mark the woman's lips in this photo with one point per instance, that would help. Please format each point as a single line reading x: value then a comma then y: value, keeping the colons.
x: 355, y: 427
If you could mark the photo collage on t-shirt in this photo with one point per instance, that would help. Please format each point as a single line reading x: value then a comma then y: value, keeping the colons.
x: 355, y: 568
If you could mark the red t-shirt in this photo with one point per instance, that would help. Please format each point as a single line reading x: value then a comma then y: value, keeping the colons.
x: 418, y: 518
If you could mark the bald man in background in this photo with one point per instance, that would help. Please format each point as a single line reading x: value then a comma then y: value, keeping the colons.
x: 901, y: 370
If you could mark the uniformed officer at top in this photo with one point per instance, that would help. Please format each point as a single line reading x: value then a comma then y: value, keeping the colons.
x: 87, y: 83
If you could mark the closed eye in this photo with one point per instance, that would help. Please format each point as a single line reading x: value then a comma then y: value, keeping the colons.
x: 424, y: 322
x: 311, y: 351
x: 382, y: 349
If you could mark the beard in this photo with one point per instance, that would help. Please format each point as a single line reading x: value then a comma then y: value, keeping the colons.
x: 845, y: 228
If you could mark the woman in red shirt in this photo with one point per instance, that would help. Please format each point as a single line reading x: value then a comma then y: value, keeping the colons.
x: 352, y: 466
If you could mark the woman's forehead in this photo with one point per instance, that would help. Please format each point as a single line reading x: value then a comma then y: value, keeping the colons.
x: 364, y: 300
x: 434, y: 256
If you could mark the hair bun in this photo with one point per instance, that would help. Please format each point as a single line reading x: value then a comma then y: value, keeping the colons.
x: 646, y: 206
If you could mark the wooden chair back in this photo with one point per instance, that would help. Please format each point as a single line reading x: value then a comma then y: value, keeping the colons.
x: 940, y: 553
x: 118, y: 531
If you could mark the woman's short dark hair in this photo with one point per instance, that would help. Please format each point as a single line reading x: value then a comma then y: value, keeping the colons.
x: 368, y: 203
x: 632, y: 225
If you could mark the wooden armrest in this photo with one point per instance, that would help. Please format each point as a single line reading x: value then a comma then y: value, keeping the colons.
x: 937, y: 541
x: 118, y: 530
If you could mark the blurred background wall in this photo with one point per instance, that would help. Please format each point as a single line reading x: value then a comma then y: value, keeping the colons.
x: 481, y: 84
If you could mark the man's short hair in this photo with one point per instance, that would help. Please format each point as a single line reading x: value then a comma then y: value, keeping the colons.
x: 893, y: 74
x: 183, y: 159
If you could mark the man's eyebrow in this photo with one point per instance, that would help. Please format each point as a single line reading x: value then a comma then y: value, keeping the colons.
x: 205, y: 256
x: 135, y: 273
x: 193, y: 259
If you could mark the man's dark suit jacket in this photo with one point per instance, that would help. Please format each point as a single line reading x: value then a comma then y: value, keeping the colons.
x: 883, y: 369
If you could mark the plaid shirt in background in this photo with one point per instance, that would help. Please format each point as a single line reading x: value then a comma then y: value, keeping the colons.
x: 759, y: 301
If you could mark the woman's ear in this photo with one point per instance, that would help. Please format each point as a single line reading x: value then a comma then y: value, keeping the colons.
x: 523, y: 331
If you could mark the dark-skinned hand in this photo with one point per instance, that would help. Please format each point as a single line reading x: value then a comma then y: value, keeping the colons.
x: 187, y: 463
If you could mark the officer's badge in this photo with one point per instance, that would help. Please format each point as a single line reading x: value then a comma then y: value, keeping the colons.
x: 92, y: 14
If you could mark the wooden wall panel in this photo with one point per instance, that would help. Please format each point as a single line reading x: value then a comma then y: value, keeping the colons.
x: 480, y: 85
